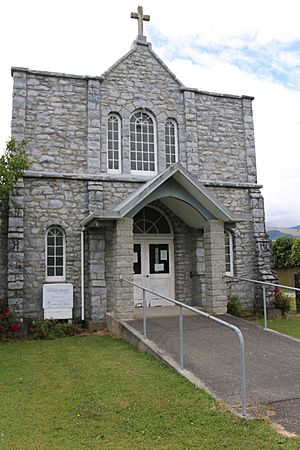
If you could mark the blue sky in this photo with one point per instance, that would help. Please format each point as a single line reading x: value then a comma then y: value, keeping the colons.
x: 235, y: 47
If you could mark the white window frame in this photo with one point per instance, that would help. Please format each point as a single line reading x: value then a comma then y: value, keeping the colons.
x: 145, y: 172
x: 55, y: 278
x: 174, y: 123
x: 118, y: 119
x: 231, y: 255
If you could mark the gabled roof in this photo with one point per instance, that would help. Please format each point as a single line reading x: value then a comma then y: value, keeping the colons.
x: 133, y: 49
x: 179, y: 191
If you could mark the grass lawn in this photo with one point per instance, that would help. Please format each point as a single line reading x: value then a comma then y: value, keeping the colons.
x: 289, y: 325
x: 93, y: 392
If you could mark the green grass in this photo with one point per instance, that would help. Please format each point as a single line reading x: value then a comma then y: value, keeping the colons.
x: 289, y: 325
x: 93, y: 392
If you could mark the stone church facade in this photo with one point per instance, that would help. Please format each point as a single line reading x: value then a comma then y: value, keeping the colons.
x: 133, y: 175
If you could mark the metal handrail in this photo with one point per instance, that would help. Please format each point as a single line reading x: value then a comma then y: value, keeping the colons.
x: 208, y: 316
x: 264, y: 285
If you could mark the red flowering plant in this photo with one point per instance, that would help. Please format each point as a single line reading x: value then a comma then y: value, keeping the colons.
x: 9, y: 326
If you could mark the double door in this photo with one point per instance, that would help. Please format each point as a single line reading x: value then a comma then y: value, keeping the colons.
x: 153, y: 268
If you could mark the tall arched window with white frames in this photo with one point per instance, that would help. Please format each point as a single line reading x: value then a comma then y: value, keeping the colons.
x: 228, y: 253
x: 114, y: 143
x: 171, y: 142
x: 55, y: 254
x: 143, y: 159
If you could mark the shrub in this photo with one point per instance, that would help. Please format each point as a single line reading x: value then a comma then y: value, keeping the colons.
x: 9, y: 326
x: 282, y: 302
x: 52, y: 329
x: 234, y: 306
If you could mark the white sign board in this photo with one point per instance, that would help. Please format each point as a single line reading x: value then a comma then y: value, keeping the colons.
x: 58, y: 301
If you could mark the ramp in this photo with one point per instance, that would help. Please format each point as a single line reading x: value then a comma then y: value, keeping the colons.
x: 211, y: 356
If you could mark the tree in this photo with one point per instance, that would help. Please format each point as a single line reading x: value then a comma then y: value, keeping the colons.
x: 13, y: 163
x: 282, y: 248
x: 295, y: 253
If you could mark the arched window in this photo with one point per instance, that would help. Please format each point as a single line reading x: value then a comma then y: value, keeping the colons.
x: 55, y: 254
x: 150, y: 221
x: 114, y: 143
x: 171, y: 142
x: 142, y: 143
x: 228, y: 253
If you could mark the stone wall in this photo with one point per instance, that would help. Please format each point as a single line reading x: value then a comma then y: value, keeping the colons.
x: 3, y: 248
x: 139, y: 80
x: 119, y: 264
x: 51, y: 202
x: 56, y: 123
x: 221, y: 139
x: 64, y: 119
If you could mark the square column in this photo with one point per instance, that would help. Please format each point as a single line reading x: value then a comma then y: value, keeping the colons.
x: 214, y: 248
x: 119, y: 259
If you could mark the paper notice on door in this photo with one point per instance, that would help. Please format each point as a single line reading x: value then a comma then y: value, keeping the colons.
x: 135, y: 257
x: 164, y: 255
x: 159, y: 267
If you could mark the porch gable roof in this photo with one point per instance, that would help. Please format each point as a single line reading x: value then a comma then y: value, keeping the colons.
x: 179, y: 191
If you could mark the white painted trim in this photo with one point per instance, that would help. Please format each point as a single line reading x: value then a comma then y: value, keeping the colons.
x: 116, y: 171
x: 173, y: 121
x: 147, y: 173
x: 55, y: 278
x: 231, y: 254
x: 144, y: 276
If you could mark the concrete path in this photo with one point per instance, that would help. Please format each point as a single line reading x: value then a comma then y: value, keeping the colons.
x: 211, y: 352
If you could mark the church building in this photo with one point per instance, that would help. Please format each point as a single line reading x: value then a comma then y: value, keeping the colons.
x: 136, y: 176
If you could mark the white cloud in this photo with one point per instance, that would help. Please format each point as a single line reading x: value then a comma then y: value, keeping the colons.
x: 232, y: 47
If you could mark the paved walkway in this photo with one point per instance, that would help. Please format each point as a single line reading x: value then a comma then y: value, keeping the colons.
x: 211, y: 352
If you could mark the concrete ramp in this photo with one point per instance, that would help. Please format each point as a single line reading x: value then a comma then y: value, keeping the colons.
x: 211, y: 360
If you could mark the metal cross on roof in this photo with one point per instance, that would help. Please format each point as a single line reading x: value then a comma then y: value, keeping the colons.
x: 140, y: 17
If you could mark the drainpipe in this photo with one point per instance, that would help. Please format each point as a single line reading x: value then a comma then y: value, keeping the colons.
x: 82, y: 272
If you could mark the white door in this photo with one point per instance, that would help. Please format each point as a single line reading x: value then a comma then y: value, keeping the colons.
x: 153, y: 265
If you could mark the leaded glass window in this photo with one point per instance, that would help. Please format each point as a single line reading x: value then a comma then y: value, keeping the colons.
x: 114, y: 143
x: 142, y: 143
x: 171, y: 142
x: 55, y: 254
x: 228, y: 253
x: 150, y: 221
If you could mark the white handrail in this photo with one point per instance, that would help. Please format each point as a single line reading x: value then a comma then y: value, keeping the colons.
x: 208, y: 316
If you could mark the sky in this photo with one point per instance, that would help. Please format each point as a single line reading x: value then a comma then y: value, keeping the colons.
x: 233, y: 46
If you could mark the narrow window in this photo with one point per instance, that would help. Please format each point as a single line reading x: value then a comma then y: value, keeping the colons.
x: 55, y: 254
x: 228, y: 253
x: 114, y: 143
x: 171, y: 142
x: 142, y: 144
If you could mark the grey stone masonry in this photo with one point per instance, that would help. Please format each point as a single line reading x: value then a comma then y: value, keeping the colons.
x: 18, y: 122
x: 96, y: 302
x: 3, y: 248
x: 15, y: 242
x: 49, y: 202
x: 94, y: 136
x: 263, y: 247
x: 223, y: 154
x: 140, y: 80
x: 214, y: 246
x: 95, y: 195
x: 249, y: 140
x: 190, y: 110
x: 65, y: 119
x: 119, y: 263
x: 56, y: 123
